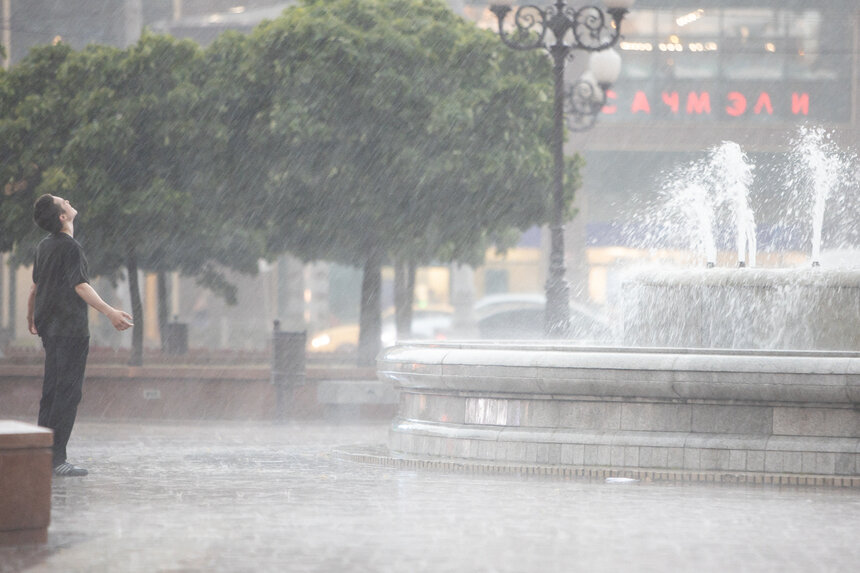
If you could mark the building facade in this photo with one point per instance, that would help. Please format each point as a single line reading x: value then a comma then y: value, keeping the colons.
x: 695, y: 75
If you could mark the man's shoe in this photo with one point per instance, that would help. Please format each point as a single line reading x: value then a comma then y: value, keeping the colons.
x: 66, y: 469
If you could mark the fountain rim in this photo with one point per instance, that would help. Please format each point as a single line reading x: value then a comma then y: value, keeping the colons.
x: 755, y: 277
x: 574, y: 347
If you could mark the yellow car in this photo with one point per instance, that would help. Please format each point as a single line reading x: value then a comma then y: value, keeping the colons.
x: 427, y: 323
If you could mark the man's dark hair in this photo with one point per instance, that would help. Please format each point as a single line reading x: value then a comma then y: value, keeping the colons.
x: 46, y: 213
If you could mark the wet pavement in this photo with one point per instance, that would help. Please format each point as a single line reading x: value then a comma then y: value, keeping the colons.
x: 263, y: 497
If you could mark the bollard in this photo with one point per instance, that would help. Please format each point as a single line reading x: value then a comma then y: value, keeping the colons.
x: 175, y: 338
x: 288, y: 364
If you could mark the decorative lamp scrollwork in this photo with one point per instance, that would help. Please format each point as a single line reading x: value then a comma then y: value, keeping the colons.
x: 560, y: 29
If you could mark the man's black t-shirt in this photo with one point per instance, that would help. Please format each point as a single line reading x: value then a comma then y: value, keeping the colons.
x: 59, y: 267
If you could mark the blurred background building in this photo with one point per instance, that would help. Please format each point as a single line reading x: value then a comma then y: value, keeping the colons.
x: 694, y: 74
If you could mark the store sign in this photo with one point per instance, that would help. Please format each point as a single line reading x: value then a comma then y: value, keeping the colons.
x: 785, y: 104
x: 699, y: 103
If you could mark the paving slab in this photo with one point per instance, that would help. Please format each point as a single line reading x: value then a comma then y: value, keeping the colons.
x: 250, y: 497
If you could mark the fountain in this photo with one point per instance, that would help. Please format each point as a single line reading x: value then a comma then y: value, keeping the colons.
x: 772, y: 309
x: 741, y: 374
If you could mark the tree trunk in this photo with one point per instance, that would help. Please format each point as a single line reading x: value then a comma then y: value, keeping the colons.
x: 404, y: 295
x: 370, y: 319
x: 291, y: 286
x: 136, y: 358
x: 13, y: 301
x: 163, y: 308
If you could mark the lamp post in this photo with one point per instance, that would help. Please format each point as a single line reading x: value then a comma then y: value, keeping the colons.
x: 588, y: 29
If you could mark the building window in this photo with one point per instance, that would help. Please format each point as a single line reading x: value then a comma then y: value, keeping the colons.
x: 735, y: 43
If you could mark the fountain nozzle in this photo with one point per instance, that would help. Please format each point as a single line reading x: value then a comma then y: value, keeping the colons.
x: 741, y: 264
x: 816, y: 264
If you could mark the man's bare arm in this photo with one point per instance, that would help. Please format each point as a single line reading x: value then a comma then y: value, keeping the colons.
x: 31, y: 306
x: 120, y: 319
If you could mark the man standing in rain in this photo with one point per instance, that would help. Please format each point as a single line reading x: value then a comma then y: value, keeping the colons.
x: 57, y: 312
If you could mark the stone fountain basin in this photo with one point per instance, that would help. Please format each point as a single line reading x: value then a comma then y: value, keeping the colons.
x: 660, y: 410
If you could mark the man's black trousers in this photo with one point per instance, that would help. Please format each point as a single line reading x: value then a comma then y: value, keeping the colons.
x: 65, y: 362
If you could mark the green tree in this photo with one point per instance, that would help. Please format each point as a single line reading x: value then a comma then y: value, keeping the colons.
x: 142, y: 156
x: 130, y: 154
x: 403, y: 132
x: 354, y: 131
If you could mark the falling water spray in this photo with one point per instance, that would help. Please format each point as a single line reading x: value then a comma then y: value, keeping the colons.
x: 693, y: 203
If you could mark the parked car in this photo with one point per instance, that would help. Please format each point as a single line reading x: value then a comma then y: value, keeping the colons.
x: 427, y: 323
x: 521, y: 317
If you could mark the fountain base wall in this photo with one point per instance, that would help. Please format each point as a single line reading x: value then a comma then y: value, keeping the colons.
x: 668, y: 410
x: 786, y: 309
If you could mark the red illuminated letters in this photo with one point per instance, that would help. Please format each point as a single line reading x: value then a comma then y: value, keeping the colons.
x: 699, y: 103
x: 763, y: 102
x: 610, y: 109
x: 640, y: 103
x: 672, y: 100
x: 800, y: 104
x: 738, y: 104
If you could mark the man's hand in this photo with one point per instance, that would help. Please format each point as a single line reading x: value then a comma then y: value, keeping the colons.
x: 31, y: 326
x: 120, y: 319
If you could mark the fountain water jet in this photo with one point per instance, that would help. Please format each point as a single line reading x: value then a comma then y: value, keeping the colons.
x: 732, y: 176
x: 823, y: 167
x: 709, y: 199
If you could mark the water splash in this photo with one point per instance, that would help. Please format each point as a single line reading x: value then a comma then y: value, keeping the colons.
x: 694, y: 206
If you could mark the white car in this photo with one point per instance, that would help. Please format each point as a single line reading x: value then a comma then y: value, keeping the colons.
x: 521, y: 316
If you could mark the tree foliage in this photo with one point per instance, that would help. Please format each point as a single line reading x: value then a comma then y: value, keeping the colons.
x: 355, y: 131
x: 399, y: 127
x: 401, y: 131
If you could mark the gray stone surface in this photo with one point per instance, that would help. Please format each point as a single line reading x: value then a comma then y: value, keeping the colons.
x: 590, y: 415
x: 668, y: 374
x: 539, y: 403
x: 356, y: 392
x: 780, y: 454
x: 656, y: 417
x: 738, y: 460
x: 732, y: 419
x: 816, y: 422
x: 755, y: 461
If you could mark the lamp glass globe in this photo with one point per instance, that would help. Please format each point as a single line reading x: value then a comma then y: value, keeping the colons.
x: 606, y: 65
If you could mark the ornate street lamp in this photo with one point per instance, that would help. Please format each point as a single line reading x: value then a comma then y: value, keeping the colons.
x: 560, y: 29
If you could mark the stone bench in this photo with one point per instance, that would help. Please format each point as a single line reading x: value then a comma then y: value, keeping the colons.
x: 25, y: 482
